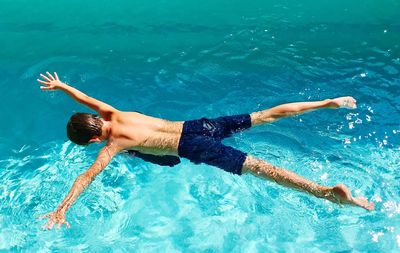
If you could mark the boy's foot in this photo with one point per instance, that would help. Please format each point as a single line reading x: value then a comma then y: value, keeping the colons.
x: 342, y: 195
x: 344, y: 102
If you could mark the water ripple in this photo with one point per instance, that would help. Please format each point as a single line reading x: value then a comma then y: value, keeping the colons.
x: 187, y: 65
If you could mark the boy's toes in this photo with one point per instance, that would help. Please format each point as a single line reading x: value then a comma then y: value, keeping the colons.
x: 363, y: 202
x: 345, y: 102
x: 370, y: 206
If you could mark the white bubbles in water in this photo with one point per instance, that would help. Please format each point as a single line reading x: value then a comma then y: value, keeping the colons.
x: 392, y: 208
x: 363, y: 74
x: 376, y: 235
x: 324, y: 176
x: 390, y: 229
x: 378, y: 199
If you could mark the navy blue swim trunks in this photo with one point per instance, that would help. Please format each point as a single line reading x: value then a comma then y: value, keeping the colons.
x: 163, y: 160
x: 201, y: 142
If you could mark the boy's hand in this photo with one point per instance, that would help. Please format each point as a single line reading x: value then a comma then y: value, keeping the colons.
x: 55, y: 218
x: 50, y: 82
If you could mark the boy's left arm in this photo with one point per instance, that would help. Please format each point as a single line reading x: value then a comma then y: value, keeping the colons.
x: 82, y: 181
x: 52, y: 82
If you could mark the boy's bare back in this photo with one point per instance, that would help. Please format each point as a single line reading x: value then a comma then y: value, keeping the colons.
x: 150, y: 135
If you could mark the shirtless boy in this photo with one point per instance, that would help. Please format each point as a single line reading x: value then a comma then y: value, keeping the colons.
x: 155, y: 139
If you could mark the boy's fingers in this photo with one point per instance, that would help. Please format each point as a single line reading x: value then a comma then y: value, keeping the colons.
x: 67, y: 224
x: 47, y: 72
x: 44, y: 216
x: 46, y: 226
x: 41, y: 81
x: 45, y: 88
x: 45, y: 77
x: 55, y: 74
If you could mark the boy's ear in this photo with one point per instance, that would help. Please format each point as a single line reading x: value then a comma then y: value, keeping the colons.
x: 95, y: 139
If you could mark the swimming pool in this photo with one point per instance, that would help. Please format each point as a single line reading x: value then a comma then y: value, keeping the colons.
x: 187, y: 59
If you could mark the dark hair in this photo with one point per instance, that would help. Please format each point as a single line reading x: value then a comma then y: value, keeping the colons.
x: 82, y: 127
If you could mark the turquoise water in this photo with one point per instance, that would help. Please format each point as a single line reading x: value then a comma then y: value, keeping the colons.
x: 184, y: 60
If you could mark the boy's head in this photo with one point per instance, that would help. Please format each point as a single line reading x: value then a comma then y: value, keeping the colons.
x: 82, y: 128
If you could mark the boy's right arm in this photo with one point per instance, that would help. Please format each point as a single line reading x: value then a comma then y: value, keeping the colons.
x: 81, y: 183
x: 53, y: 83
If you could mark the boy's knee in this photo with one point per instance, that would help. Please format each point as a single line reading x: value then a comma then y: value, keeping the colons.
x: 250, y: 164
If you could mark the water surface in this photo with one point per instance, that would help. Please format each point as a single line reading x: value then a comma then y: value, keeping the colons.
x: 188, y: 59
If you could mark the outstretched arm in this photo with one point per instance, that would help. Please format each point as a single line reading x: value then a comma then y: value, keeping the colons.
x: 82, y: 181
x: 291, y: 109
x: 53, y: 83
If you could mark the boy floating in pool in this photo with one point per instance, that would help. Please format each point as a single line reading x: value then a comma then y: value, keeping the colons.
x: 163, y: 142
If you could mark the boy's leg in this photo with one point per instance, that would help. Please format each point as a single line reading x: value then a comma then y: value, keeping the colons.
x: 223, y: 127
x: 285, y: 110
x: 338, y: 194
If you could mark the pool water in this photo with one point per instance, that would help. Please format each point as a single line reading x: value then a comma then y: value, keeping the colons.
x: 183, y: 60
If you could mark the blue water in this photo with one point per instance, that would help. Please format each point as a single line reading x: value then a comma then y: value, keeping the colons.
x: 187, y: 59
